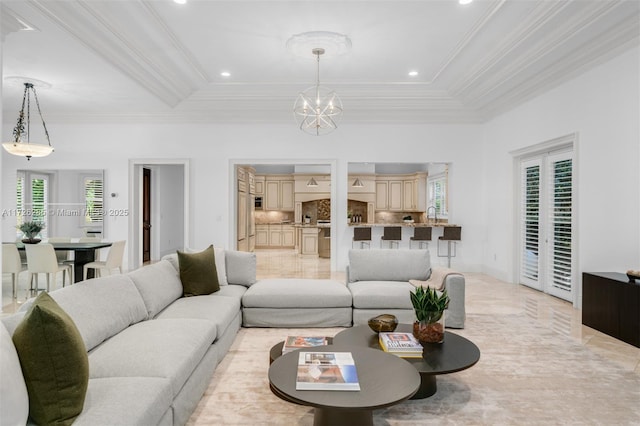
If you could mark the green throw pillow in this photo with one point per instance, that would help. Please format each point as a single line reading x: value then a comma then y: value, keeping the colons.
x: 198, y: 272
x: 54, y: 362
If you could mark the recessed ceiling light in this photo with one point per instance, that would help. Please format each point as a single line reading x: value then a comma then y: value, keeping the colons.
x: 413, y: 73
x: 180, y: 1
x: 225, y: 74
x: 464, y: 1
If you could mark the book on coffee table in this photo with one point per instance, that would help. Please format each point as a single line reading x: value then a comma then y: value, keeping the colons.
x: 401, y: 344
x: 291, y: 343
x: 327, y: 371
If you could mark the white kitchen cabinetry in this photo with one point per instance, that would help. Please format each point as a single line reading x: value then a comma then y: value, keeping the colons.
x: 275, y: 235
x: 279, y: 195
x: 395, y: 195
x: 401, y: 193
x: 389, y: 195
x: 288, y: 236
x: 382, y: 195
x: 262, y: 235
x: 309, y: 241
x: 410, y: 195
x: 259, y: 185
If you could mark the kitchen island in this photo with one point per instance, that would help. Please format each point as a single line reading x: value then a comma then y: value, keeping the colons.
x: 313, y: 239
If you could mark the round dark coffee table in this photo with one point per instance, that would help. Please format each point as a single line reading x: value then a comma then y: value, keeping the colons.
x: 384, y: 380
x: 455, y: 354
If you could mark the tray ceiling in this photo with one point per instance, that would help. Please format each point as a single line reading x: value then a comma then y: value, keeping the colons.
x: 142, y: 60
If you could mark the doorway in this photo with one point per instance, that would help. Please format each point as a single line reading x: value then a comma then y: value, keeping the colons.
x: 280, y: 167
x: 146, y: 215
x: 546, y: 246
x: 159, y: 200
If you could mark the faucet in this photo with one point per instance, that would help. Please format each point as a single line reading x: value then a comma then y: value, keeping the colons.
x: 435, y: 214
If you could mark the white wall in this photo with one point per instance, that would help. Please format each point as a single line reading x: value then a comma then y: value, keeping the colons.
x: 602, y: 106
x: 211, y: 147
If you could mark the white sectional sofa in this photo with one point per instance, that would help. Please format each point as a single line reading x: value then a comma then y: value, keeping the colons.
x: 152, y: 352
x: 379, y: 283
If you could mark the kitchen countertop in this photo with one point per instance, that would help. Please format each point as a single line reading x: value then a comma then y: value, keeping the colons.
x: 312, y: 225
x: 411, y: 225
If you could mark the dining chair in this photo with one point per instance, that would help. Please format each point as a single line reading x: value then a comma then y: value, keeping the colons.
x: 41, y: 259
x: 114, y: 260
x: 62, y: 255
x: 11, y: 264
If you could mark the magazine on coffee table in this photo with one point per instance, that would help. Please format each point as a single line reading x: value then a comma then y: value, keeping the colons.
x: 327, y: 371
x: 292, y: 343
x: 402, y: 344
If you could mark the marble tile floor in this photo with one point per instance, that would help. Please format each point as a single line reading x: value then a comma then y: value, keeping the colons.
x: 484, y: 295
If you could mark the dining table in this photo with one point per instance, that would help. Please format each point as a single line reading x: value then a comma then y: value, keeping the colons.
x: 83, y: 253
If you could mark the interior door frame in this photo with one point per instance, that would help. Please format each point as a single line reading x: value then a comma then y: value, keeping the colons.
x: 135, y: 203
x: 568, y: 142
x: 233, y: 196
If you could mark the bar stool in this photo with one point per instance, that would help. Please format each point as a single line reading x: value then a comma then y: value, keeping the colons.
x: 363, y: 236
x: 451, y: 234
x: 393, y: 234
x: 421, y: 234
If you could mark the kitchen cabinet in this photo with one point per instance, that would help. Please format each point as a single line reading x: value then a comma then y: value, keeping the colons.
x: 262, y: 235
x: 382, y: 195
x: 410, y: 195
x: 389, y: 195
x: 274, y: 236
x: 309, y: 241
x: 242, y: 215
x: 259, y: 185
x: 396, y: 195
x: 401, y: 193
x: 288, y: 236
x: 245, y: 209
x: 279, y: 195
x: 251, y: 181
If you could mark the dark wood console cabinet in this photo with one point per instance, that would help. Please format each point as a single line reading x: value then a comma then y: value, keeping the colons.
x: 611, y: 304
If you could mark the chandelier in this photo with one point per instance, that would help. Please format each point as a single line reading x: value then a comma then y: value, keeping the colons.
x: 21, y: 144
x: 318, y: 110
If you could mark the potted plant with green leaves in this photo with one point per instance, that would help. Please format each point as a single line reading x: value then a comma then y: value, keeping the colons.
x: 429, y: 306
x: 31, y: 229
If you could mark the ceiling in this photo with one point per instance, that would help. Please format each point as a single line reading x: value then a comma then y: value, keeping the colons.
x: 158, y: 61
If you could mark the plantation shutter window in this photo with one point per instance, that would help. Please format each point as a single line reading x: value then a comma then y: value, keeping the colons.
x: 93, y: 196
x: 546, y: 251
x: 560, y: 227
x: 530, y: 222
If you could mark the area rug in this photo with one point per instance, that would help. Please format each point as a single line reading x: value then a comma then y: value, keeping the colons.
x: 526, y: 375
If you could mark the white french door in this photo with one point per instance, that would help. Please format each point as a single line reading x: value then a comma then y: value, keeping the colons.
x: 546, y: 252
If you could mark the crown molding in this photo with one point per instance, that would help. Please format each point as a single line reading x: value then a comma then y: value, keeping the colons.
x: 11, y: 22
x: 491, y: 85
x: 624, y: 37
x: 535, y: 21
x: 122, y: 47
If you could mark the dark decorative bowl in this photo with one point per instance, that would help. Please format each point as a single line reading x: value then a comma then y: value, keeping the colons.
x: 31, y: 240
x: 384, y: 322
